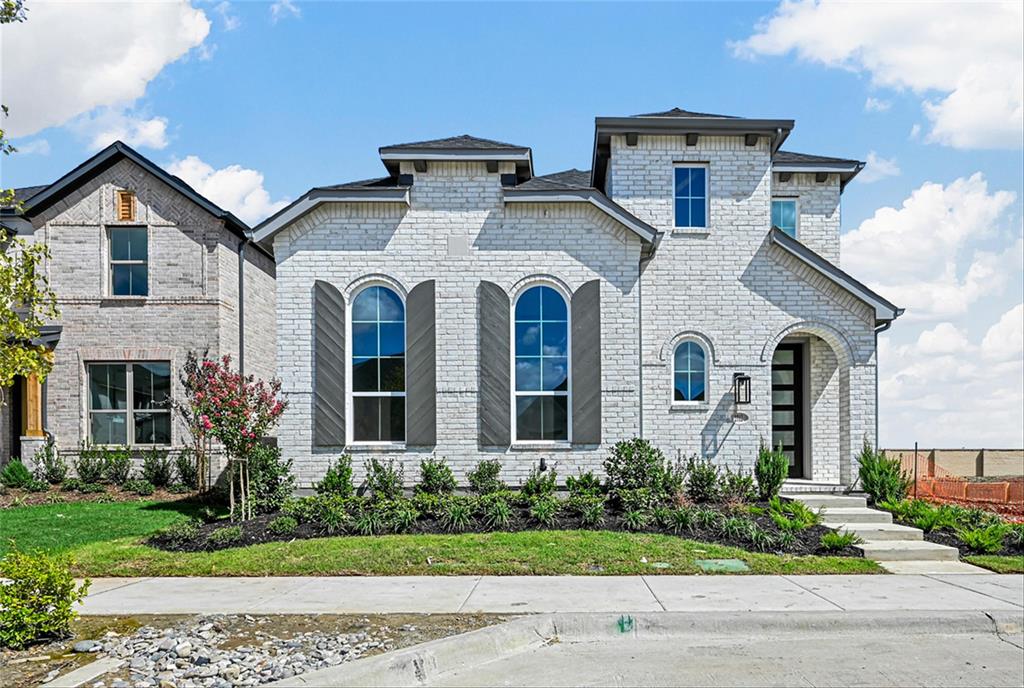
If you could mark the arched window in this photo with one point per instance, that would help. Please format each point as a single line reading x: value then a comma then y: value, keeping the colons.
x: 689, y: 373
x: 378, y: 366
x: 541, y: 366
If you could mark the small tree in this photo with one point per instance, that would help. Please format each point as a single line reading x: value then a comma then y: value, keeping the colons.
x: 237, y: 411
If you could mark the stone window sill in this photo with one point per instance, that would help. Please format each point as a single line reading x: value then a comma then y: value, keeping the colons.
x: 699, y: 407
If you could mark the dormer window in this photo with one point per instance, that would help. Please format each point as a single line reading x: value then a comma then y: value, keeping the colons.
x: 125, y: 206
x: 129, y: 261
x: 691, y: 196
x: 784, y: 215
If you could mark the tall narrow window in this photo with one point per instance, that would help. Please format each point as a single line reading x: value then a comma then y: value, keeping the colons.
x: 689, y: 373
x: 129, y: 403
x: 784, y: 215
x: 378, y: 366
x: 541, y: 366
x: 691, y: 196
x: 129, y: 261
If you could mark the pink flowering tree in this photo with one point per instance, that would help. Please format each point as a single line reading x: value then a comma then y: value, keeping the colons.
x: 238, y: 411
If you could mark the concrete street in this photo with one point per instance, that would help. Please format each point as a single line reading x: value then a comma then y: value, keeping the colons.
x: 540, y: 594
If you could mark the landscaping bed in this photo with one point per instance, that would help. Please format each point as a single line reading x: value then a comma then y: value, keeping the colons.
x: 972, y: 531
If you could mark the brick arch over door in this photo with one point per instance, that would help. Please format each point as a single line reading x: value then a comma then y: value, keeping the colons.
x: 839, y: 342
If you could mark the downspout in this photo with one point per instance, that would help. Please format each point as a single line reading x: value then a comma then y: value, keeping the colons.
x: 878, y: 330
x: 241, y: 305
x: 640, y: 334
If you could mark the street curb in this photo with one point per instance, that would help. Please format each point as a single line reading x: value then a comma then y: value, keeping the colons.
x: 426, y: 662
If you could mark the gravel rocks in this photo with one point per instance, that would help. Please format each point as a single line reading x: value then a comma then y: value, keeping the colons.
x: 199, y: 652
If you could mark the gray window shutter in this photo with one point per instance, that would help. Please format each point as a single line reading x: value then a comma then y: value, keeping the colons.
x: 420, y: 367
x: 495, y: 390
x: 328, y: 366
x: 586, y: 364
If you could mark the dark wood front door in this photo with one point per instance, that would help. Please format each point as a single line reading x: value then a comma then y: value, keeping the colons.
x: 787, y: 405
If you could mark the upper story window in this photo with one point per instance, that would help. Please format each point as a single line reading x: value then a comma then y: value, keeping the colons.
x: 784, y: 215
x: 689, y: 372
x: 129, y: 261
x: 541, y: 366
x: 129, y: 403
x: 691, y: 196
x: 378, y: 366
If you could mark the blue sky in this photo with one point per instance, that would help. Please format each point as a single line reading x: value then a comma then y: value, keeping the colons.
x: 304, y: 93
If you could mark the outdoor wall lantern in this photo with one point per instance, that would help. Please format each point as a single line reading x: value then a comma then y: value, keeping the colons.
x: 741, y: 388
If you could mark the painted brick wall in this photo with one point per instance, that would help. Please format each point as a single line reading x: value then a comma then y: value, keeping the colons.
x: 819, y: 214
x: 457, y: 203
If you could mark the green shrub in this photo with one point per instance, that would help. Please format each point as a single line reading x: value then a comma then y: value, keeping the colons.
x: 584, y: 484
x: 270, y: 478
x: 636, y: 463
x: 369, y: 521
x: 157, y: 467
x: 282, y: 525
x: 545, y: 511
x: 702, y: 480
x: 429, y: 504
x: 143, y: 488
x: 707, y: 519
x: 737, y: 486
x: 636, y: 520
x: 540, y: 483
x: 934, y: 518
x: 760, y: 539
x: 181, y: 533
x: 770, y: 470
x: 735, y: 527
x: 15, y: 474
x: 680, y: 520
x: 117, y: 465
x: 592, y: 513
x: 38, y: 600
x: 792, y: 514
x: 1015, y: 535
x: 36, y: 485
x: 970, y: 517
x: 223, y: 537
x: 384, y: 480
x: 178, y: 488
x: 484, y: 478
x: 92, y: 488
x: 188, y: 470
x: 881, y: 477
x: 987, y: 540
x: 89, y: 464
x: 834, y: 541
x: 338, y: 478
x: 785, y: 540
x: 71, y: 485
x: 457, y: 516
x: 333, y: 517
x: 436, y: 478
x: 637, y: 499
x: 52, y: 466
x: 783, y: 522
x: 496, y: 513
x: 401, y: 515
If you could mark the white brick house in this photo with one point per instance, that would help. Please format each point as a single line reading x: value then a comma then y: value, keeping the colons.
x: 462, y: 307
x: 145, y: 270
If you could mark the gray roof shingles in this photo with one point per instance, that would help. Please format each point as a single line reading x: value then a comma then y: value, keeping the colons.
x: 462, y: 142
x: 679, y: 112
x: 793, y: 157
x: 574, y: 180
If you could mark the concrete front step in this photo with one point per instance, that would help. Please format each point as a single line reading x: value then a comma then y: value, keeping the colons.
x: 874, y: 532
x: 830, y: 501
x: 855, y: 515
x: 908, y: 551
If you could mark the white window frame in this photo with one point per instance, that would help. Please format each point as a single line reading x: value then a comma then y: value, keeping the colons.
x: 707, y: 375
x: 129, y: 411
x: 707, y: 195
x: 111, y: 262
x: 567, y: 298
x: 796, y: 202
x: 349, y: 393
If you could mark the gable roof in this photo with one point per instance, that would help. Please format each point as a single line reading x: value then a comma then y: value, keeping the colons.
x: 791, y: 161
x: 885, y: 310
x: 23, y: 194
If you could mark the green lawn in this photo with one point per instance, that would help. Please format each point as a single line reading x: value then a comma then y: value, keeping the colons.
x: 997, y: 563
x: 104, y: 540
x: 56, y: 527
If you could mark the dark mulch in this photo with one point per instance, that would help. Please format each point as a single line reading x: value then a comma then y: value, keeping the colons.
x: 255, y: 531
x: 15, y: 497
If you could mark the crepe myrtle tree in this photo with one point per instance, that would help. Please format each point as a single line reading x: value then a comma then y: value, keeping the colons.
x: 236, y: 410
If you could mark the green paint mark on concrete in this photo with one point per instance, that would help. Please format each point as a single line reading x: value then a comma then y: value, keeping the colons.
x: 625, y: 624
x: 722, y: 565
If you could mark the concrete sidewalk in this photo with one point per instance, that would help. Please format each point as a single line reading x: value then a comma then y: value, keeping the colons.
x: 542, y: 594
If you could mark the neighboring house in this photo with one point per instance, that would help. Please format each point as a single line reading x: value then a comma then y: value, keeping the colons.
x: 461, y: 307
x: 145, y: 270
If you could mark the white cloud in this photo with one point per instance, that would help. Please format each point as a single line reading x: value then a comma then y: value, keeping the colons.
x: 944, y: 338
x: 877, y: 168
x: 873, y: 104
x: 233, y: 188
x: 284, y: 9
x: 1004, y: 341
x: 924, y: 256
x: 71, y: 58
x: 229, y: 20
x: 964, y: 59
x: 106, y: 125
x: 34, y: 147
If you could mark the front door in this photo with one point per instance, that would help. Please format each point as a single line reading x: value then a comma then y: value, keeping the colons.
x: 787, y: 405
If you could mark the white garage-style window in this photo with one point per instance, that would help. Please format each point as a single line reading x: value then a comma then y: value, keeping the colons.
x: 689, y: 373
x: 541, y: 366
x: 377, y: 366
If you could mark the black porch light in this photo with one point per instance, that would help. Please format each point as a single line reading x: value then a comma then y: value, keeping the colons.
x: 741, y: 388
